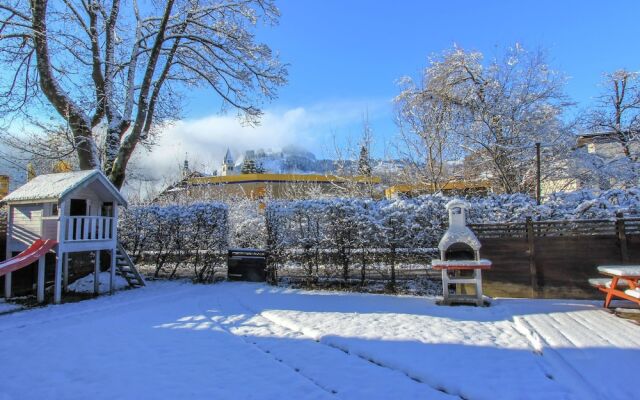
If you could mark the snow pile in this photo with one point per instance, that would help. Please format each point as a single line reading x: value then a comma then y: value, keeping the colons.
x: 173, y: 235
x: 85, y: 284
x: 8, y: 307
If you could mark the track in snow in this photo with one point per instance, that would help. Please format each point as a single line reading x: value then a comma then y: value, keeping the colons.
x: 330, y: 367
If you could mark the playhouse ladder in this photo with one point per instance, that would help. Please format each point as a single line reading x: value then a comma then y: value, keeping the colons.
x: 127, y: 269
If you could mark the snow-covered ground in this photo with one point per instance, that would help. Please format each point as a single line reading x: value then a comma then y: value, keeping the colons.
x: 238, y: 341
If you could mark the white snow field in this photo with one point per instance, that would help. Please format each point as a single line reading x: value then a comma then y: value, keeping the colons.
x: 174, y: 340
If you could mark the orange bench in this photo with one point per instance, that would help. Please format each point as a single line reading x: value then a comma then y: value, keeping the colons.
x: 623, y: 283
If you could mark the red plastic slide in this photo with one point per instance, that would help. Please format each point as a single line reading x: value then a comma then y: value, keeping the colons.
x: 38, y: 249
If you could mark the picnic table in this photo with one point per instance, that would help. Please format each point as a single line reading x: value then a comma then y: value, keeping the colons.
x: 623, y: 283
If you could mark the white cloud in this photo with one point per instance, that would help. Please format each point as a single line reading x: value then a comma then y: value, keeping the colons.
x: 206, y: 139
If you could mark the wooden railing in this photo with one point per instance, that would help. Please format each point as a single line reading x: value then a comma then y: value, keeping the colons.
x: 75, y: 229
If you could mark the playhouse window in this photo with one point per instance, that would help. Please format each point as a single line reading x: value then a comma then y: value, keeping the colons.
x: 456, y: 210
x: 107, y: 209
x: 50, y: 210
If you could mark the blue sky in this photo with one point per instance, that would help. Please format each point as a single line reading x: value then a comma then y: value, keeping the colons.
x: 346, y: 56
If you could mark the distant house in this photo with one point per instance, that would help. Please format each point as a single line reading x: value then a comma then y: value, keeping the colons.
x: 453, y: 187
x: 606, y: 144
x: 608, y: 151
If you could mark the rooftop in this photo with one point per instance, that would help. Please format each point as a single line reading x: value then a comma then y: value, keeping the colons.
x: 56, y: 186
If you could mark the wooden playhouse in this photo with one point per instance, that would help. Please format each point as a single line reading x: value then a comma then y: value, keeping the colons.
x: 63, y: 213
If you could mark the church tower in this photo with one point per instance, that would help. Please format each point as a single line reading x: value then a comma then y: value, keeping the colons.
x: 227, y: 164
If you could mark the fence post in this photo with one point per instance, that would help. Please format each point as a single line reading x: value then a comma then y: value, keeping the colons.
x: 533, y: 269
x: 622, y: 238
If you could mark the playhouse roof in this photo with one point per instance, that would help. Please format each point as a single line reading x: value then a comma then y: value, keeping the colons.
x: 57, y: 186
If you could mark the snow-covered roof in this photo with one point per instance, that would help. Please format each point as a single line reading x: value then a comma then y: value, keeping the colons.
x: 457, y: 203
x: 57, y: 186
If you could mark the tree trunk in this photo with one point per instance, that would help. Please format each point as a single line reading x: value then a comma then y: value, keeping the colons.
x: 79, y: 123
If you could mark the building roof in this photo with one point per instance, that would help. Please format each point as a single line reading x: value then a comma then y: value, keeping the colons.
x: 306, y: 178
x: 597, y: 137
x: 228, y: 158
x: 56, y: 186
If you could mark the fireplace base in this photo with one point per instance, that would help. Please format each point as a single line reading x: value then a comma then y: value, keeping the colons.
x: 452, y: 272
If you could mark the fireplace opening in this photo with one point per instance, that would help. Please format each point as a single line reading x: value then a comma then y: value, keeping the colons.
x: 459, y: 251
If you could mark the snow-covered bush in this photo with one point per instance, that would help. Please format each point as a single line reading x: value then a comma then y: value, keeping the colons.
x: 177, y: 236
x: 581, y: 204
x: 343, y: 233
x: 340, y: 234
x: 247, y: 225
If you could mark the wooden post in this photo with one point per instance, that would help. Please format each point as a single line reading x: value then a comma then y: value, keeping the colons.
x: 57, y: 284
x: 96, y: 275
x: 112, y: 270
x: 40, y: 290
x: 622, y: 238
x: 65, y: 273
x: 7, y: 286
x: 7, y: 277
x: 533, y: 268
x: 60, y: 255
x: 538, y: 177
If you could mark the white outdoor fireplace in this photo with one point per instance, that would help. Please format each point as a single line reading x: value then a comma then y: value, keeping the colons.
x: 460, y: 260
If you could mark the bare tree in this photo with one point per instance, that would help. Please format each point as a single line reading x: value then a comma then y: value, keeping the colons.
x: 43, y: 151
x: 122, y: 65
x: 495, y: 111
x: 426, y: 133
x: 617, y: 111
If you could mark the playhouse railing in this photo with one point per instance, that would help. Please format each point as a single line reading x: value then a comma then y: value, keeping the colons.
x: 75, y: 229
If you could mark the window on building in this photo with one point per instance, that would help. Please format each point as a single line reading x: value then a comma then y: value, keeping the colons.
x: 107, y: 209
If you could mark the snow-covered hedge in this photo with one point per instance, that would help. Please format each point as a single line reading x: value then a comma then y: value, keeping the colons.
x: 345, y: 232
x: 246, y: 224
x: 582, y: 204
x: 191, y: 236
x: 348, y: 233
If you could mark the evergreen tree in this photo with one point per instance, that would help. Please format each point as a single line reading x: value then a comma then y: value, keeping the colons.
x: 248, y: 167
x: 364, y: 163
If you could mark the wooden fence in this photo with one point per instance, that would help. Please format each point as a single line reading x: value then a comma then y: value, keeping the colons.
x: 552, y: 259
x: 555, y: 259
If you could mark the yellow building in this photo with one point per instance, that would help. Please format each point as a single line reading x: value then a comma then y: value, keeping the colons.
x: 275, y: 186
x: 451, y: 187
x: 4, y: 185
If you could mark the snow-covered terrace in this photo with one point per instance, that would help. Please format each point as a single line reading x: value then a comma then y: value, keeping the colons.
x: 239, y: 341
